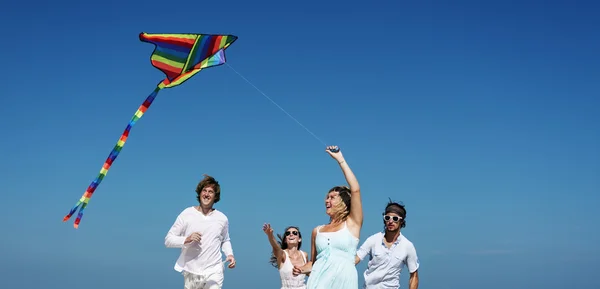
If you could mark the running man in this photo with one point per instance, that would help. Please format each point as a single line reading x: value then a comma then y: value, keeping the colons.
x: 202, y: 232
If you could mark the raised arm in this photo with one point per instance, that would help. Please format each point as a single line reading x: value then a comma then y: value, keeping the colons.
x: 356, y: 212
x: 277, y: 251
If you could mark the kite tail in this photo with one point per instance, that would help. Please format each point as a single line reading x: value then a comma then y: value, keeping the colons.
x: 83, y: 202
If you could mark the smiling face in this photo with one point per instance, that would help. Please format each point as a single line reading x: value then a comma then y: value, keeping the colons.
x: 337, y: 203
x: 207, y: 197
x: 292, y: 237
x: 208, y: 192
x: 331, y: 201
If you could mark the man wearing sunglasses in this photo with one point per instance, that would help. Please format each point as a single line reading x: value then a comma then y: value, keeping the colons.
x: 389, y: 252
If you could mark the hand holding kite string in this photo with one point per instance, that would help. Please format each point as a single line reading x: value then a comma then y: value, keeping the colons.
x: 179, y: 57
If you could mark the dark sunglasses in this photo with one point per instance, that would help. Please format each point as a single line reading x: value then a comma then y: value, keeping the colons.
x: 394, y: 218
x: 291, y: 232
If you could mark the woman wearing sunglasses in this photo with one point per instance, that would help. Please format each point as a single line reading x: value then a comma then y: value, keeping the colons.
x: 333, y: 246
x: 286, y: 255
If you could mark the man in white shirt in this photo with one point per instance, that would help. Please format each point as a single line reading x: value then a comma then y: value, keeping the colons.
x: 389, y: 252
x: 201, y: 232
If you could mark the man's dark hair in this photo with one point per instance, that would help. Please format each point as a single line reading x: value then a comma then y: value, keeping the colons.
x: 397, y: 208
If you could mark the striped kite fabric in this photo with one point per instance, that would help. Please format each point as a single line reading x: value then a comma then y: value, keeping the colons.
x: 179, y: 57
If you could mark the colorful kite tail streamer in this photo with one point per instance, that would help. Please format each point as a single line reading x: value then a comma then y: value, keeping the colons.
x: 85, y: 199
x: 179, y: 56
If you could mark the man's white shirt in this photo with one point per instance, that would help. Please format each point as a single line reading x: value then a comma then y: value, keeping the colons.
x: 385, y: 265
x: 205, y: 256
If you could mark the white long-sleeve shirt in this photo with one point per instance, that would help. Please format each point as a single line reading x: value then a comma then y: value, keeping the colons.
x: 205, y: 256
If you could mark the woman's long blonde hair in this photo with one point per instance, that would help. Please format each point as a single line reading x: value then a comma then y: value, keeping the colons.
x: 341, y: 211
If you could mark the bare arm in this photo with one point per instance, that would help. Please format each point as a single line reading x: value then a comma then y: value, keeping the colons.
x: 313, y: 246
x: 413, y: 283
x: 313, y: 253
x: 412, y: 262
x: 277, y: 251
x: 307, y: 268
x: 364, y: 250
x: 308, y: 272
x: 356, y: 212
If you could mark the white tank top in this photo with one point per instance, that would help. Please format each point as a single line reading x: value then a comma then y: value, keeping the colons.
x: 288, y: 280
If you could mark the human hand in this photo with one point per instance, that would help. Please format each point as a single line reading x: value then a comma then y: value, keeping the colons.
x: 194, y: 237
x: 231, y: 261
x: 335, y: 153
x: 267, y: 229
x: 304, y: 269
x: 297, y: 271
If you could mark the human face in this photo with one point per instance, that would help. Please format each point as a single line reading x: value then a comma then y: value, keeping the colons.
x: 207, y: 197
x: 292, y: 236
x: 392, y: 221
x: 332, y: 200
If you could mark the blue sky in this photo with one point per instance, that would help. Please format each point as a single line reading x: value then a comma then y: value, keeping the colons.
x: 482, y: 117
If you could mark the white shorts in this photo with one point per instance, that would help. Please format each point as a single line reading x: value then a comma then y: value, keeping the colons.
x: 208, y: 281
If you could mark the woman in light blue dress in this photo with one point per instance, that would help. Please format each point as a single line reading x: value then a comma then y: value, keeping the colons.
x: 334, y: 245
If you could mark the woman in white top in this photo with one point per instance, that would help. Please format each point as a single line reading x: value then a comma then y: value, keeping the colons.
x: 286, y: 255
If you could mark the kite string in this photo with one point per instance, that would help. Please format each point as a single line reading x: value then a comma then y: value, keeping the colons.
x: 272, y: 101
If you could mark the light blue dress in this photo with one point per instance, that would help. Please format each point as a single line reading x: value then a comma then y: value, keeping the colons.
x: 334, y: 268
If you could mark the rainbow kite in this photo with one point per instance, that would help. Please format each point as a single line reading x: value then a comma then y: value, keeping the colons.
x: 179, y: 57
